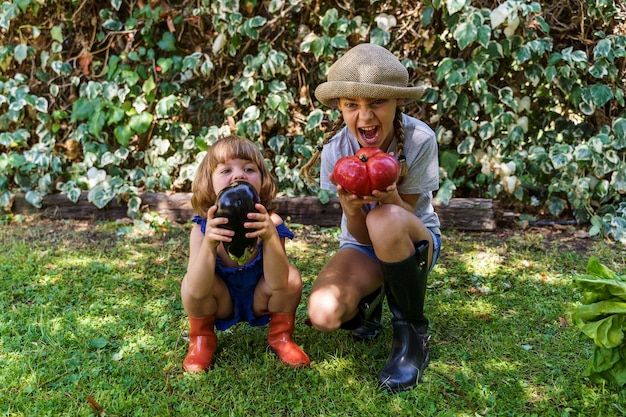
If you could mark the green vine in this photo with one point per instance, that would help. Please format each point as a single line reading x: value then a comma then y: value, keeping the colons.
x: 526, y: 97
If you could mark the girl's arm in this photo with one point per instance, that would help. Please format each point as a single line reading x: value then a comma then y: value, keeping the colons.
x: 198, y: 280
x: 392, y: 196
x: 275, y: 262
x: 354, y: 209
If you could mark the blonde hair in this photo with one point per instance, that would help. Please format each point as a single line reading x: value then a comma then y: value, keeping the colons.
x: 398, y: 131
x: 225, y: 149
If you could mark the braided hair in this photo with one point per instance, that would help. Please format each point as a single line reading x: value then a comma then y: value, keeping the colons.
x: 306, y: 169
x: 398, y: 131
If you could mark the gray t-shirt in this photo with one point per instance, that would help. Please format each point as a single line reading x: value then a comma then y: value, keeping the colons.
x: 421, y: 152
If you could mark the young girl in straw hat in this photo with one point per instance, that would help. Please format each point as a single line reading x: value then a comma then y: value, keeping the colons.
x: 389, y: 241
x: 218, y: 292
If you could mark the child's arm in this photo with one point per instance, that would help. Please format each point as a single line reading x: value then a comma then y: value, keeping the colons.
x: 275, y: 263
x: 391, y: 196
x: 198, y: 280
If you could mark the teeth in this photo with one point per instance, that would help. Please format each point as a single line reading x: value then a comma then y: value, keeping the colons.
x: 369, y: 132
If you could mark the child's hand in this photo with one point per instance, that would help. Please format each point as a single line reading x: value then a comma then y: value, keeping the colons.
x: 262, y: 224
x: 351, y: 203
x: 215, y: 234
x: 387, y: 196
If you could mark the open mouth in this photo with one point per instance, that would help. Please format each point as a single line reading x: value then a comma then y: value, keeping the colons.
x: 369, y: 134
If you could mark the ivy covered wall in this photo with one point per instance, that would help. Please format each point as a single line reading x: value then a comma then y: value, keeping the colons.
x: 119, y: 98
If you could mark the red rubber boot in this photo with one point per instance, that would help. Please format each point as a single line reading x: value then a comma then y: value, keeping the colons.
x: 202, y: 343
x: 279, y: 338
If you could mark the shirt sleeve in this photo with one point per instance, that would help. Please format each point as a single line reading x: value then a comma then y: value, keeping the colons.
x: 201, y: 221
x: 422, y: 160
x: 326, y: 168
x: 284, y: 231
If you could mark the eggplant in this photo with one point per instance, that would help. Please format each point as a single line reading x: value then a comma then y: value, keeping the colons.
x: 235, y: 202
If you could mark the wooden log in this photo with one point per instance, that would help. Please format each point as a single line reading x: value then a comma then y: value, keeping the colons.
x: 468, y: 214
x: 461, y: 213
x: 309, y: 210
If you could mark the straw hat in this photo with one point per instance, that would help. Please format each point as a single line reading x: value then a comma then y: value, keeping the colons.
x: 368, y: 71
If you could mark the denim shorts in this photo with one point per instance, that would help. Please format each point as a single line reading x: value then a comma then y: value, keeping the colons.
x: 369, y: 250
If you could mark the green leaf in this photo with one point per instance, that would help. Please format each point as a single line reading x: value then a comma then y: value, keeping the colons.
x: 140, y: 123
x: 166, y: 106
x: 602, y: 321
x: 619, y: 128
x: 329, y: 18
x: 445, y: 66
x: 274, y: 100
x: 149, y: 85
x: 380, y: 37
x: 168, y: 42
x: 556, y: 206
x: 522, y: 54
x: 486, y: 131
x: 277, y: 142
x: 113, y: 25
x: 618, y: 180
x: 165, y: 64
x: 466, y: 146
x: 314, y: 120
x: 252, y: 113
x: 484, y: 35
x: 96, y: 122
x: 41, y: 105
x: 455, y: 5
x: 73, y: 193
x: 123, y: 134
x: 446, y: 191
x: 339, y: 41
x: 34, y: 198
x: 427, y: 15
x: 82, y: 109
x: 455, y: 78
x: 134, y: 204
x: 601, y: 94
x: 99, y: 343
x: 114, y: 115
x: 274, y: 6
x: 101, y: 195
x: 57, y: 33
x: 449, y: 162
x: 130, y: 77
x: 602, y: 49
x: 501, y: 13
x: 550, y: 72
x: 594, y: 267
x: 583, y: 153
x: 559, y: 159
x: 587, y: 108
x: 600, y: 69
x: 20, y: 53
x: 465, y: 34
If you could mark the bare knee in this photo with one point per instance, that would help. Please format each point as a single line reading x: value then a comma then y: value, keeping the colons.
x: 324, y: 311
x: 294, y: 282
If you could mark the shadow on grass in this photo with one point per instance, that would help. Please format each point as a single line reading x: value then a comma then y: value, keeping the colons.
x: 92, y: 313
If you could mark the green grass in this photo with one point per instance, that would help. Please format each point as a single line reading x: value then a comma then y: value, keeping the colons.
x: 92, y: 324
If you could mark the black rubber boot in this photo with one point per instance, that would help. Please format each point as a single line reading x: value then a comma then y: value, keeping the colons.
x: 366, y: 324
x: 405, y: 286
x: 370, y: 312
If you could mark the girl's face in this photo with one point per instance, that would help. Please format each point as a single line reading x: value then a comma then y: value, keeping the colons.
x: 233, y: 170
x: 370, y: 120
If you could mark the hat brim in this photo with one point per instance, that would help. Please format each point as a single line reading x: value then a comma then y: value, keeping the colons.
x: 328, y: 92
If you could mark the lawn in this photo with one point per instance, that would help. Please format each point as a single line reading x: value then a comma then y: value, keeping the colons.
x: 92, y: 325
